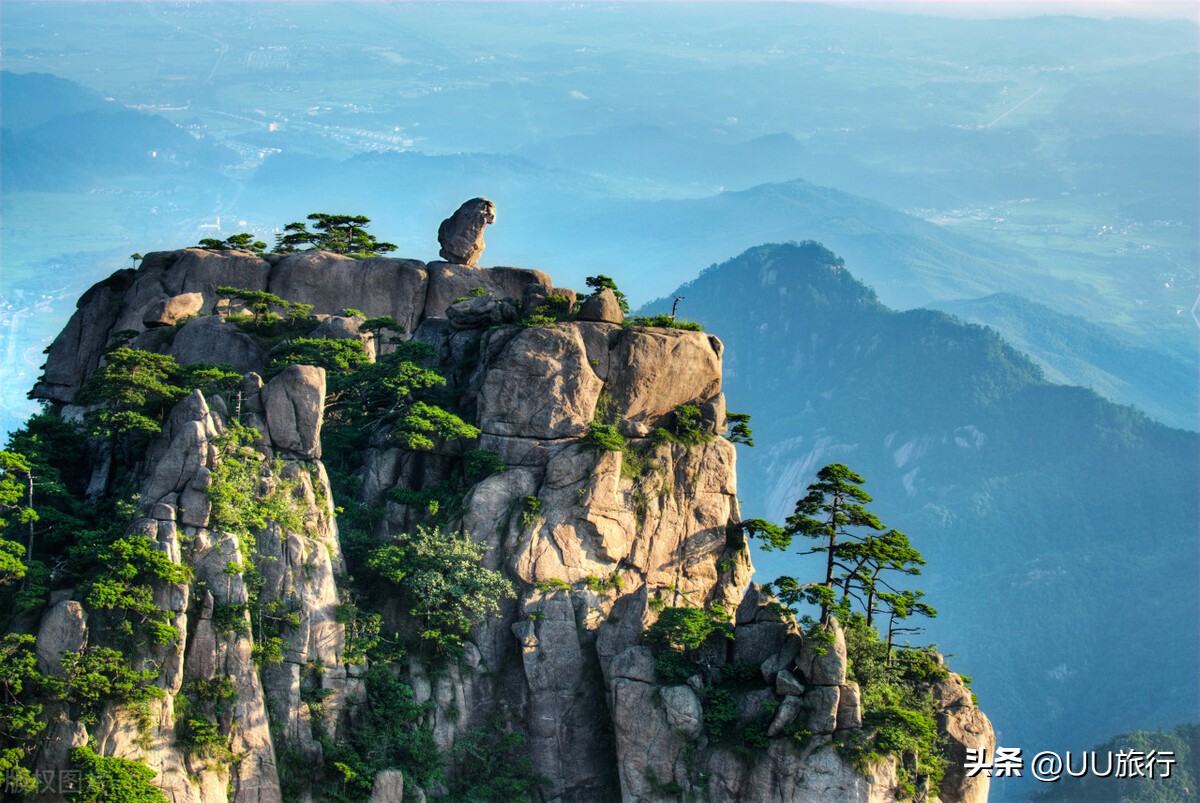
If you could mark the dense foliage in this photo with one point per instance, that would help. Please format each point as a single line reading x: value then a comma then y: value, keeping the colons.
x: 236, y: 242
x: 442, y: 583
x: 134, y: 389
x: 833, y: 514
x: 677, y: 637
x: 899, y: 712
x: 341, y: 234
x: 109, y: 779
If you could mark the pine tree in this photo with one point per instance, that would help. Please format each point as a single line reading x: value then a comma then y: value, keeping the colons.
x: 340, y: 234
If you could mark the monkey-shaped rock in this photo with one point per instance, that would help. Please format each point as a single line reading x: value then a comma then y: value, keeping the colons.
x: 461, y: 234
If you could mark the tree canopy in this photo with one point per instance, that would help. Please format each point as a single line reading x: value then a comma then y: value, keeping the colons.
x: 861, y: 554
x: 442, y: 583
x: 341, y: 234
x: 236, y: 242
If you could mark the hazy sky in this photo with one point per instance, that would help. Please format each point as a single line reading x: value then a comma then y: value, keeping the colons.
x: 954, y: 8
x: 1080, y: 8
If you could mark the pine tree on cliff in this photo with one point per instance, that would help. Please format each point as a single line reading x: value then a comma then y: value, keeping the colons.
x: 834, y: 504
x: 341, y: 234
x: 833, y: 513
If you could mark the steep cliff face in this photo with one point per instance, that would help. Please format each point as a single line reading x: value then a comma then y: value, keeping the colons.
x: 614, y: 535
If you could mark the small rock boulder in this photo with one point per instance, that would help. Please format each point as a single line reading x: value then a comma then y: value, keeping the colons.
x: 388, y: 788
x: 965, y: 728
x: 171, y: 311
x: 821, y: 708
x: 685, y: 715
x: 755, y: 643
x: 635, y: 663
x: 294, y: 401
x: 787, y: 685
x: 849, y: 711
x: 822, y: 660
x: 602, y: 308
x: 210, y: 337
x: 461, y: 234
x: 63, y: 629
x: 481, y: 312
x: 786, y: 715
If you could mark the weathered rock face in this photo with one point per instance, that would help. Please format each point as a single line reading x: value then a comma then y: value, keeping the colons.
x: 461, y: 234
x: 162, y: 294
x: 63, y: 628
x: 615, y: 535
x: 965, y: 728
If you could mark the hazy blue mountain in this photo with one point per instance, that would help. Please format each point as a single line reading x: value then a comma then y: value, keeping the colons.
x: 1073, y: 351
x: 72, y: 152
x: 85, y: 181
x: 928, y: 166
x: 30, y: 99
x: 560, y: 216
x: 1057, y: 525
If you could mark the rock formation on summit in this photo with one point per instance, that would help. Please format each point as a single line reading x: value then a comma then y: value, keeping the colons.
x: 595, y: 513
x: 461, y: 234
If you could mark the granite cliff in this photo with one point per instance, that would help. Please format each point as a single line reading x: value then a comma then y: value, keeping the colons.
x: 595, y: 540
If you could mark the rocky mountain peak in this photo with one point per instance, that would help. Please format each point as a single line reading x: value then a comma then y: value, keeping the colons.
x: 601, y: 508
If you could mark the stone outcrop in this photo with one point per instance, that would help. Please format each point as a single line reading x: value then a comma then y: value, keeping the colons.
x: 63, y: 628
x: 965, y: 728
x: 461, y: 234
x: 134, y: 302
x: 602, y: 307
x: 171, y: 311
x: 615, y: 535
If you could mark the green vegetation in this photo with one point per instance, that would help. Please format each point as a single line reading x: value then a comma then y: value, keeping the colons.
x: 686, y: 428
x: 339, y: 356
x: 677, y: 636
x: 22, y: 688
x: 833, y: 514
x: 236, y: 242
x: 16, y: 502
x: 474, y: 292
x: 431, y: 575
x: 549, y: 311
x: 531, y: 512
x: 740, y: 432
x: 199, y: 711
x: 341, y: 234
x: 73, y: 542
x: 899, y: 712
x: 664, y: 321
x: 377, y: 326
x: 553, y: 584
x: 247, y: 492
x: 264, y: 320
x: 603, y: 585
x: 441, y: 583
x: 108, y: 779
x: 492, y: 764
x: 604, y: 438
x: 93, y: 678
x: 123, y: 573
x: 134, y: 389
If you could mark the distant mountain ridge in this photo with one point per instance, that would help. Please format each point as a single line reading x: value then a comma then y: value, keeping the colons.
x: 1073, y: 351
x: 1047, y: 513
